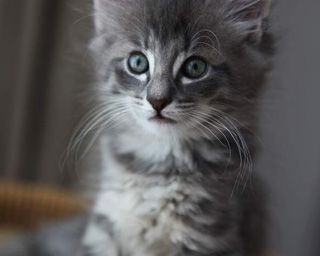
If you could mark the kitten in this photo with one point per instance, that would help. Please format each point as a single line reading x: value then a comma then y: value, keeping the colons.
x: 179, y: 83
x: 179, y: 86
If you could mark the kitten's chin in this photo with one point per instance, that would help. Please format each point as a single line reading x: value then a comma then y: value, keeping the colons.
x: 160, y: 126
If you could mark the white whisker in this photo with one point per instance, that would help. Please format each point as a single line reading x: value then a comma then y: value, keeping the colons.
x: 225, y: 123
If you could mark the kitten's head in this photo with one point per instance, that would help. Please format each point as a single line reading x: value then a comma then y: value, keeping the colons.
x: 178, y: 67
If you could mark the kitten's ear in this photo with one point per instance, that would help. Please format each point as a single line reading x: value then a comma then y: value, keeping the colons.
x: 248, y: 16
x: 104, y: 15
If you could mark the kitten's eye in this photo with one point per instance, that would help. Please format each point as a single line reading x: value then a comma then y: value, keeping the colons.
x: 194, y: 68
x: 138, y: 63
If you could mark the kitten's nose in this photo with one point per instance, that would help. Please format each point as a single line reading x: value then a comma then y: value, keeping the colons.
x: 159, y: 104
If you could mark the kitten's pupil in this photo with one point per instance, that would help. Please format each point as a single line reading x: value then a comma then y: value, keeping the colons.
x: 138, y: 63
x: 195, y: 66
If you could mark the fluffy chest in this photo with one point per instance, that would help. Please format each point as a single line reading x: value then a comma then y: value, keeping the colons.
x: 148, y: 208
x: 149, y: 217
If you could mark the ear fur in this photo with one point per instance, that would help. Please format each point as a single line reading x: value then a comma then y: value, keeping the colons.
x: 248, y: 16
x: 105, y: 12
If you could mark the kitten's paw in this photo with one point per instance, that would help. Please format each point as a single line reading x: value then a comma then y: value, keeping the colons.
x: 92, y: 250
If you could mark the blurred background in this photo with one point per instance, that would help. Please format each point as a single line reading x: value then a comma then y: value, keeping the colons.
x: 43, y: 70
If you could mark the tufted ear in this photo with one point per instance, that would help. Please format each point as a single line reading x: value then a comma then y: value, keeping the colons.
x: 248, y: 16
x: 105, y: 13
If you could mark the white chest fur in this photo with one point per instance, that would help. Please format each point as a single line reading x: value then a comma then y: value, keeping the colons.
x: 146, y: 217
x: 146, y: 211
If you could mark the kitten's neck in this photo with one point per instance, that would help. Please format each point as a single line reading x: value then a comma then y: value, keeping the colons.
x: 146, y: 146
x: 154, y: 155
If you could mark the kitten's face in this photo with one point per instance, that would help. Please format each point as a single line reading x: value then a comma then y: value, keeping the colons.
x: 173, y: 66
x: 167, y: 85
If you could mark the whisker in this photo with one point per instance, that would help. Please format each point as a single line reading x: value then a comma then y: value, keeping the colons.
x: 104, y: 127
x: 244, y: 153
x: 212, y: 33
x: 198, y: 128
x: 224, y: 136
x: 185, y: 107
x: 96, y: 118
x: 209, y: 45
x: 198, y: 121
x: 78, y: 142
x: 238, y: 122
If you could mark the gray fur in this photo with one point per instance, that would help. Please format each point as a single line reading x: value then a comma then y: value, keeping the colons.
x: 215, y: 155
x: 186, y: 188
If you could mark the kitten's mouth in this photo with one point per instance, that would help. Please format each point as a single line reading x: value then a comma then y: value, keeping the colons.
x: 160, y: 119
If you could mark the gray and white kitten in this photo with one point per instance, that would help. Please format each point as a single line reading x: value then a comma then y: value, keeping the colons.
x: 179, y: 86
x: 179, y: 83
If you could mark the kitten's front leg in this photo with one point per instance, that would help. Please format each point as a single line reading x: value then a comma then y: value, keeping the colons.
x: 228, y: 249
x: 216, y: 253
x: 99, y: 238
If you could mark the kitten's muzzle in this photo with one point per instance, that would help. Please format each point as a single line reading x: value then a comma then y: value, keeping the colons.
x: 158, y: 106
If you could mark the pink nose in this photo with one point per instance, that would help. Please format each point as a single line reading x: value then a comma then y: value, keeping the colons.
x: 159, y: 104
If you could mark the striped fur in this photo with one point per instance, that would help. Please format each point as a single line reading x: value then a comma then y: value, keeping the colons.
x: 184, y: 188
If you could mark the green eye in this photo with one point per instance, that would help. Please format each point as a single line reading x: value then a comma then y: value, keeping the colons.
x: 138, y: 63
x: 194, y: 68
